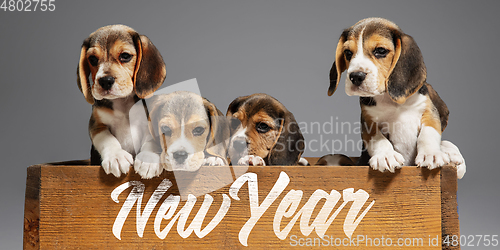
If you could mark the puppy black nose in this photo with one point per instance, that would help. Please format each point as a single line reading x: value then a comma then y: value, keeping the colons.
x: 239, y: 145
x: 180, y: 156
x: 357, y: 77
x: 106, y: 82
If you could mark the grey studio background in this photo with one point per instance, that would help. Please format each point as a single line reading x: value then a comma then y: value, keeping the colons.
x: 235, y: 48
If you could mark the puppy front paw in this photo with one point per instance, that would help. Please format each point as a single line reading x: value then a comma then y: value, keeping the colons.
x: 461, y: 169
x: 453, y: 152
x: 303, y: 162
x: 251, y: 160
x: 147, y: 165
x: 456, y: 157
x: 117, y: 162
x: 387, y: 160
x: 432, y: 159
x: 213, y: 161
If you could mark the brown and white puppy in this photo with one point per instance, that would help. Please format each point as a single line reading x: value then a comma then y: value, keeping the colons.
x: 191, y: 131
x: 117, y: 68
x: 402, y: 116
x: 263, y: 132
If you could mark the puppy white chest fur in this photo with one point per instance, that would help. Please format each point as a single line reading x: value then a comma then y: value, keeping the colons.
x: 400, y: 123
x: 119, y: 125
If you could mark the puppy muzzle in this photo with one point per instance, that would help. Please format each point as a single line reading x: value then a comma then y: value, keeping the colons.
x: 357, y: 78
x: 106, y: 82
x: 238, y: 149
x: 180, y: 156
x: 240, y: 145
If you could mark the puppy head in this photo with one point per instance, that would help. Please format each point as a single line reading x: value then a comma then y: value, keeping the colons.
x: 262, y: 126
x: 378, y: 58
x: 188, y: 130
x: 119, y: 62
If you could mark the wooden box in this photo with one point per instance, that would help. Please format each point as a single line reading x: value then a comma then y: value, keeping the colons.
x: 76, y: 206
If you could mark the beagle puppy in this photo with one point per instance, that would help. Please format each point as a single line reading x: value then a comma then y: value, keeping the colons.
x: 117, y: 68
x: 188, y: 130
x: 402, y: 116
x: 263, y: 132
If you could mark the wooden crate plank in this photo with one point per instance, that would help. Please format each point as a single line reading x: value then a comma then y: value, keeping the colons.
x: 77, y: 211
x: 31, y: 238
x: 449, y: 206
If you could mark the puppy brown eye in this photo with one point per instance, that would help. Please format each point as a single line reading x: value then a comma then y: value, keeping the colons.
x: 262, y: 127
x: 198, y: 131
x: 166, y: 130
x: 380, y: 52
x: 93, y: 60
x: 348, y: 54
x: 125, y: 57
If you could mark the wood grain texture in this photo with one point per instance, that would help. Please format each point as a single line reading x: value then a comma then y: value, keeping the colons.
x: 449, y: 206
x: 32, y: 200
x: 76, y: 210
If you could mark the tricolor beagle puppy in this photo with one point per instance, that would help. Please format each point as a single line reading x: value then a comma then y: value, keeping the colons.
x: 191, y: 132
x: 263, y: 132
x: 117, y: 68
x: 402, y: 116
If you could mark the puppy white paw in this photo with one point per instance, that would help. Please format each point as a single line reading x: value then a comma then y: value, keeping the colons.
x: 147, y: 165
x: 303, y: 162
x: 251, y: 160
x: 456, y: 157
x: 213, y: 161
x: 388, y: 160
x: 453, y: 152
x: 461, y: 169
x: 117, y: 162
x: 431, y: 159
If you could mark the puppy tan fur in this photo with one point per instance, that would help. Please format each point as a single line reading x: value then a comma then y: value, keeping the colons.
x: 191, y: 132
x: 402, y: 115
x: 117, y: 68
x: 263, y: 132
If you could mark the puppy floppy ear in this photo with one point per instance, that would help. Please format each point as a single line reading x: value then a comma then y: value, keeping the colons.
x: 83, y: 73
x: 219, y: 132
x: 235, y: 105
x: 407, y: 73
x: 150, y: 70
x: 339, y: 65
x: 438, y: 103
x: 153, y: 112
x: 289, y: 144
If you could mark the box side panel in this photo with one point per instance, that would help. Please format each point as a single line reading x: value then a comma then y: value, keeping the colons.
x: 31, y: 239
x: 449, y: 206
x: 402, y: 209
